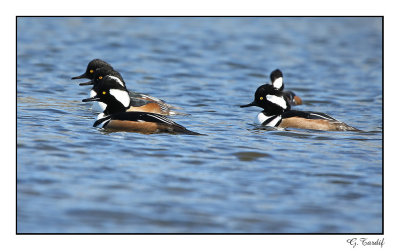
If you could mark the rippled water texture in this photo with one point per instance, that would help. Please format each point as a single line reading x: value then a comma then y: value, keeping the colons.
x: 72, y: 177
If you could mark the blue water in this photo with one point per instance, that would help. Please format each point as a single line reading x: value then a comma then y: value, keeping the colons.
x: 72, y: 177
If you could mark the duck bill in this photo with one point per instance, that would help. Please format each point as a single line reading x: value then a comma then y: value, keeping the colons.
x: 95, y: 98
x: 87, y: 83
x: 80, y: 76
x: 251, y: 104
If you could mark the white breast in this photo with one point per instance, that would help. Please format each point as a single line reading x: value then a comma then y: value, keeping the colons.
x: 97, y: 106
x: 261, y: 117
x: 100, y: 116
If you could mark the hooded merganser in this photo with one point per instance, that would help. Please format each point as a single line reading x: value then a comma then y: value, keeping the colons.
x: 138, y: 102
x: 98, y: 67
x: 91, y: 68
x: 276, y: 77
x: 277, y: 113
x: 117, y: 117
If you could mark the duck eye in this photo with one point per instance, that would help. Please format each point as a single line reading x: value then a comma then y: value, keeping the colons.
x: 100, y: 77
x: 104, y: 93
x: 91, y: 71
x: 261, y: 98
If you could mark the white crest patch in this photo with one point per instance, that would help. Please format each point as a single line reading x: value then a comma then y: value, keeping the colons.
x: 117, y: 80
x: 261, y: 117
x: 277, y: 100
x: 278, y: 83
x: 121, y: 96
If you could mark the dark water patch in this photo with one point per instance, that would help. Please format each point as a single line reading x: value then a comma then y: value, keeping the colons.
x: 341, y: 182
x: 21, y: 145
x: 47, y: 147
x: 250, y: 156
x: 299, y: 89
x: 235, y: 65
x: 93, y: 215
x: 194, y: 162
x: 179, y: 190
x: 45, y: 67
x: 167, y: 154
x: 46, y: 91
x: 42, y: 181
x: 324, y: 138
x: 115, y: 45
x: 338, y: 175
x: 375, y: 185
x: 351, y: 196
x: 316, y: 102
x: 329, y: 228
x: 172, y: 60
x: 315, y: 210
x: 62, y: 156
x: 189, y: 223
x: 184, y: 75
x: 59, y: 194
x: 293, y: 134
x: 371, y: 132
x: 28, y: 191
x: 114, y: 187
x: 253, y: 47
x: 362, y: 139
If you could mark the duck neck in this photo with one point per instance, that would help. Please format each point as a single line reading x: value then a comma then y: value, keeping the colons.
x: 114, y: 108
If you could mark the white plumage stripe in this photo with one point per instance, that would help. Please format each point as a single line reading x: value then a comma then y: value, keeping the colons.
x: 164, y: 119
x: 121, y: 96
x: 322, y: 116
x: 100, y: 116
x: 116, y: 80
x: 102, y: 124
x: 277, y: 100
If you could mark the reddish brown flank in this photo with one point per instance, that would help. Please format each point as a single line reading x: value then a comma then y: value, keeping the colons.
x: 150, y: 107
x: 315, y: 124
x: 147, y: 127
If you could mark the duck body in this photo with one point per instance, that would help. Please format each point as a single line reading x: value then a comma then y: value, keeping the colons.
x: 98, y: 68
x: 118, y: 117
x: 277, y: 113
x: 142, y: 122
x: 303, y: 120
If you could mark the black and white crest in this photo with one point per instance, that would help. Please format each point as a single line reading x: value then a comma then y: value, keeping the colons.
x: 277, y: 79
